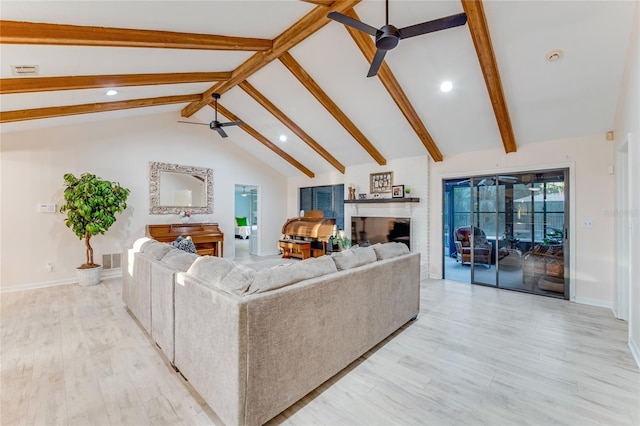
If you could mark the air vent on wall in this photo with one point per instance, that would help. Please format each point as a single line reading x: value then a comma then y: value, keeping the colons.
x: 25, y: 70
x: 111, y: 261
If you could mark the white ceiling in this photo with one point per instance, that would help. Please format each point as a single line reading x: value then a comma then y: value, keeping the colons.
x: 572, y: 97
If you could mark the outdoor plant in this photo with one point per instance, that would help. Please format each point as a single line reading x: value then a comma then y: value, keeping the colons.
x: 553, y: 236
x: 91, y: 204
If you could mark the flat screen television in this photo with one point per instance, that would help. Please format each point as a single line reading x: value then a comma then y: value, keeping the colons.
x: 380, y: 230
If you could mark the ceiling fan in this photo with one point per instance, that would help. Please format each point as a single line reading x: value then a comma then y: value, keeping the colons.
x: 389, y: 36
x: 215, y: 124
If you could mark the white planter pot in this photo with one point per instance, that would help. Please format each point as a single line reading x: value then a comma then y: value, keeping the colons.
x: 89, y: 276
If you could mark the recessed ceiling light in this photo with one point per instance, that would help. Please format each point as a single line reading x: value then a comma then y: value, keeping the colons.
x: 283, y: 138
x: 112, y: 92
x: 446, y: 86
x: 554, y: 55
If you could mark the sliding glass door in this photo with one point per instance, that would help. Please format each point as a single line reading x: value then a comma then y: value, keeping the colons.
x: 484, y: 213
x: 509, y: 231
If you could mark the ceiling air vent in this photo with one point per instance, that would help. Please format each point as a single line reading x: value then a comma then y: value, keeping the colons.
x: 24, y: 70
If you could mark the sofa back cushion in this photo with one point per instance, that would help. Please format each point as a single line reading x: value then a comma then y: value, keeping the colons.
x: 210, y: 269
x: 157, y: 250
x: 179, y: 260
x: 389, y: 250
x: 238, y: 280
x: 291, y: 273
x: 141, y: 243
x: 353, y: 257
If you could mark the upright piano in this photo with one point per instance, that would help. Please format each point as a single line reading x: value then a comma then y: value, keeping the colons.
x: 207, y: 237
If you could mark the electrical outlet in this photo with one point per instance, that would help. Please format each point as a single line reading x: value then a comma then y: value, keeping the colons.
x: 587, y: 223
x: 49, y: 266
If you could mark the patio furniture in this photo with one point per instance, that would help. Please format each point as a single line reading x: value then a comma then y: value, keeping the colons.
x: 481, y: 247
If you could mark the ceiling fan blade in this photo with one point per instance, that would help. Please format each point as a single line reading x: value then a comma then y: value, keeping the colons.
x: 191, y: 122
x: 221, y: 132
x: 435, y: 25
x: 231, y: 123
x: 353, y: 23
x: 377, y: 61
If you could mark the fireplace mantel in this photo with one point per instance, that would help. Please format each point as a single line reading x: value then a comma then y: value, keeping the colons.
x: 383, y: 200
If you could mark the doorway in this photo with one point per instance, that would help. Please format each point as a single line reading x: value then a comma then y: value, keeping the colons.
x: 508, y: 231
x: 623, y: 280
x: 246, y: 222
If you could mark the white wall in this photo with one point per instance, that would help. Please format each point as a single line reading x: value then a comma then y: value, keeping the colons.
x: 591, y: 195
x: 33, y: 163
x: 627, y: 130
x: 412, y: 172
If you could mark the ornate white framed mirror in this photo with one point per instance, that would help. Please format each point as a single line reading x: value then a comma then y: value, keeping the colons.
x: 174, y: 188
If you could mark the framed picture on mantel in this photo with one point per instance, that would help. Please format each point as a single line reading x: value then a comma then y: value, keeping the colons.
x: 381, y: 182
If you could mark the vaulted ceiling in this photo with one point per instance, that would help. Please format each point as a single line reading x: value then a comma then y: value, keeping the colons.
x: 284, y: 68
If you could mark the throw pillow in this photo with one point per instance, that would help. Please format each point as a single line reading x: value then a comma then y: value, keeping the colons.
x: 353, y: 257
x: 389, y: 250
x: 291, y: 273
x: 241, y: 221
x: 184, y: 244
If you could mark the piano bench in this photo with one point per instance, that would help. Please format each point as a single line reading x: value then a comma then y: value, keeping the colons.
x: 293, y: 248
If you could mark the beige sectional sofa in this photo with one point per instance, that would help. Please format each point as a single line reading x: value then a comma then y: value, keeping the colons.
x: 253, y: 340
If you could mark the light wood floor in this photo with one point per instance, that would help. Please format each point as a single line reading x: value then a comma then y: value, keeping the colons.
x: 475, y: 356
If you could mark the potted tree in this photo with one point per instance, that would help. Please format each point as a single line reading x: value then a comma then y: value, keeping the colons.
x: 91, y: 204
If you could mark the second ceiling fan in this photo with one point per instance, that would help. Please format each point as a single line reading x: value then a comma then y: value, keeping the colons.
x: 389, y: 36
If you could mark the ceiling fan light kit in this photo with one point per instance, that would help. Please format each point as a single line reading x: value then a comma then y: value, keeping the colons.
x: 389, y: 36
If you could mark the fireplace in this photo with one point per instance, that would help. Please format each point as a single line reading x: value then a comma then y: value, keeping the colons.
x: 380, y: 230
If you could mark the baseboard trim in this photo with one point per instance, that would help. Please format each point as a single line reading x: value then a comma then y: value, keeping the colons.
x: 116, y: 273
x: 635, y: 352
x: 594, y: 302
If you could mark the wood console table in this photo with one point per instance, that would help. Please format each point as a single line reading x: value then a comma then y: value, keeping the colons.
x: 207, y: 237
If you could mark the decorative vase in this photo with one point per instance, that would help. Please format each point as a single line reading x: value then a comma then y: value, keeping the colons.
x: 89, y: 276
x: 184, y: 219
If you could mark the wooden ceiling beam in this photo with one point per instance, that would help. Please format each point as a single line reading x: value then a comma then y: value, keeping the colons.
x: 326, y: 3
x: 266, y: 142
x: 14, y: 32
x: 61, y: 111
x: 266, y: 104
x: 47, y: 84
x: 477, y: 22
x: 368, y: 49
x: 296, y: 69
x: 307, y: 25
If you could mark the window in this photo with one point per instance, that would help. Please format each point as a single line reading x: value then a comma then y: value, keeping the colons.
x: 329, y: 199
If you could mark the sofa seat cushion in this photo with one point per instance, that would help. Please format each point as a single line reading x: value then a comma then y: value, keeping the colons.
x: 283, y: 275
x: 157, y: 250
x: 179, y: 260
x: 390, y: 250
x: 211, y: 269
x: 354, y: 257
